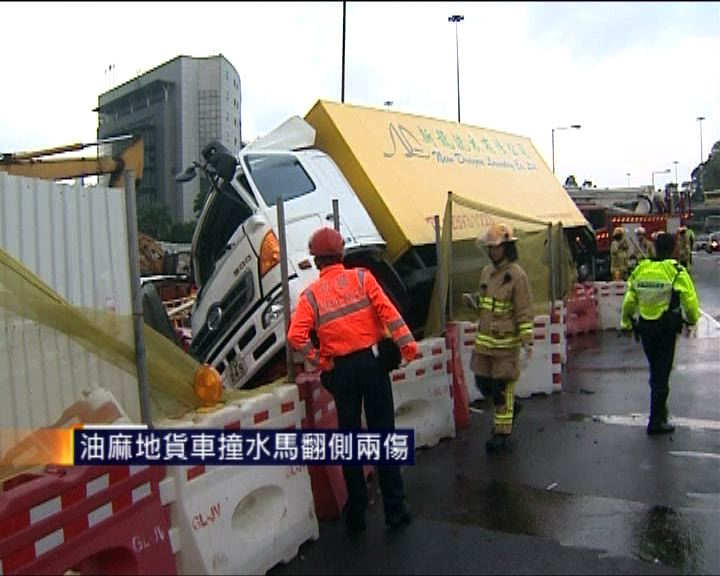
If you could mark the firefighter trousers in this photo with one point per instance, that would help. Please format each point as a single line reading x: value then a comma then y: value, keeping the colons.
x: 502, y: 393
x: 359, y: 380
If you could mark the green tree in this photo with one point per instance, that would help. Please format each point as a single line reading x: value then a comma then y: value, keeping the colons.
x: 710, y: 170
x: 202, y: 195
x: 182, y: 232
x: 154, y: 219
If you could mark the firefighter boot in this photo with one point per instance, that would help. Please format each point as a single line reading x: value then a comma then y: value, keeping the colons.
x: 498, y: 443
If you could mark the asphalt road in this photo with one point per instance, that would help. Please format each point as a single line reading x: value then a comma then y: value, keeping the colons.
x: 585, y: 491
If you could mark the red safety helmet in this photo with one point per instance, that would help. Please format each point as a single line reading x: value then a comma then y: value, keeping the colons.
x: 326, y: 242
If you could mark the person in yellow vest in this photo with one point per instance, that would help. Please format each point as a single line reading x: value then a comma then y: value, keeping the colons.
x: 659, y: 291
x: 505, y: 324
x: 619, y: 254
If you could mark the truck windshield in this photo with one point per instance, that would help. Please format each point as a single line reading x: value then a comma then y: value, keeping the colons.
x: 278, y: 175
x: 225, y: 213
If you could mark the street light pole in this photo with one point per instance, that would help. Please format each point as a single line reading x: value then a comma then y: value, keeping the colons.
x: 700, y: 119
x: 628, y: 176
x: 457, y: 18
x: 342, y: 89
x: 666, y: 171
x: 575, y: 126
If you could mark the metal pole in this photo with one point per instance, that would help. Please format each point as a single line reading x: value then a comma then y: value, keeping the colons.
x: 441, y: 283
x: 136, y: 296
x: 450, y: 259
x: 284, y: 277
x: 553, y: 266
x: 553, y: 149
x: 457, y: 60
x: 342, y: 90
x: 336, y: 214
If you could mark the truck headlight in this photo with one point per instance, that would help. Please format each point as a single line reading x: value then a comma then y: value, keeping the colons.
x: 273, y: 312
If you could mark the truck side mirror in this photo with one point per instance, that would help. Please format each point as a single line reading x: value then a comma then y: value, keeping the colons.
x: 187, y: 175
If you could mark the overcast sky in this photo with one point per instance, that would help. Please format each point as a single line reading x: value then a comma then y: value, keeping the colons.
x: 635, y: 75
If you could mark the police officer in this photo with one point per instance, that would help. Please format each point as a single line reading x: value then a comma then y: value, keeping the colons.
x: 505, y: 324
x: 619, y: 254
x: 349, y: 312
x: 650, y: 294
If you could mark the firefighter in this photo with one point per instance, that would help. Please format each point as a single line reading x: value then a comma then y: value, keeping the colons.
x: 505, y: 324
x: 643, y: 247
x: 649, y: 294
x: 619, y: 254
x: 350, y: 314
x: 683, y: 251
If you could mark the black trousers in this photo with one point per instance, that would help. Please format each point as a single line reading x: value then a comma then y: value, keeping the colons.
x: 358, y: 378
x: 658, y: 342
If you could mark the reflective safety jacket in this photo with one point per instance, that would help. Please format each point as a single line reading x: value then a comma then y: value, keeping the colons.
x: 349, y: 311
x: 650, y: 287
x: 505, y: 302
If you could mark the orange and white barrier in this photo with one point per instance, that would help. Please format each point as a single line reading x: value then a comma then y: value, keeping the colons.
x: 91, y: 519
x: 558, y: 343
x: 537, y: 377
x: 327, y: 482
x: 461, y: 403
x: 422, y: 393
x: 558, y: 326
x: 582, y: 314
x: 609, y: 296
x: 241, y: 519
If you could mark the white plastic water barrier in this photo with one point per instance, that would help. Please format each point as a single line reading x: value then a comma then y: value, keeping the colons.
x: 422, y: 393
x: 241, y: 519
x: 537, y: 376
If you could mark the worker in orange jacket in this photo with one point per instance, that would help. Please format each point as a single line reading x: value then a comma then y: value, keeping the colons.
x: 350, y: 314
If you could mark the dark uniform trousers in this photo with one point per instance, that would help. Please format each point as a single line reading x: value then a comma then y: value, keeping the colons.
x: 358, y: 377
x: 658, y: 342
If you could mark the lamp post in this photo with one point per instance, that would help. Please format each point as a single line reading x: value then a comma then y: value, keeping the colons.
x: 342, y: 88
x: 628, y: 177
x: 666, y: 171
x: 700, y: 119
x: 456, y: 18
x: 575, y: 126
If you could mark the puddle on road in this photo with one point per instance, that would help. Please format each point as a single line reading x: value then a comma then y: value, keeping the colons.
x: 616, y: 527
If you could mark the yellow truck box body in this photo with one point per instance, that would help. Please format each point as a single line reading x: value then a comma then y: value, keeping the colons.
x: 402, y: 167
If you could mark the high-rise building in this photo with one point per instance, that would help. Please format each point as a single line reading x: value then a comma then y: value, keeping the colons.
x: 177, y: 108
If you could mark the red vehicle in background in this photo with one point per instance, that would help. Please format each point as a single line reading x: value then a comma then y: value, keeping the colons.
x: 604, y: 220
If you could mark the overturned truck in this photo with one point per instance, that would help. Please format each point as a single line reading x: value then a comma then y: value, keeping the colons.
x: 389, y: 175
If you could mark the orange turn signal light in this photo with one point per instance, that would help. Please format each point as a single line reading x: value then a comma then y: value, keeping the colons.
x: 208, y: 385
x: 269, y: 253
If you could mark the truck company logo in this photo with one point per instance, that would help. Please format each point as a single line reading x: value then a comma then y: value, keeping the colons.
x: 469, y: 149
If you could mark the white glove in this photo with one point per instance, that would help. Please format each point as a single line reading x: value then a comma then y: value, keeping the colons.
x: 527, y: 349
x: 469, y: 300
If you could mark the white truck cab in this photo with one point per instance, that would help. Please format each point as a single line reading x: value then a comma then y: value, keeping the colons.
x: 237, y: 320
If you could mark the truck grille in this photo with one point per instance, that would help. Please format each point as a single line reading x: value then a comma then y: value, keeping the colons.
x: 233, y: 306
